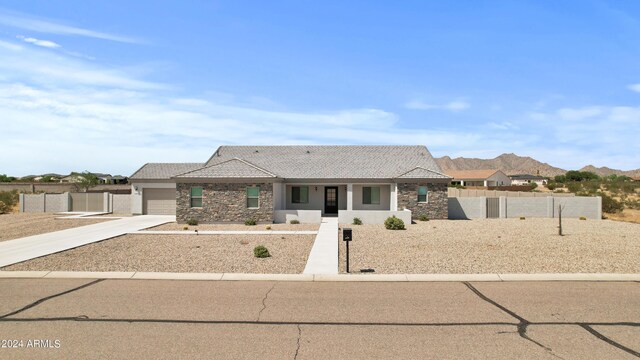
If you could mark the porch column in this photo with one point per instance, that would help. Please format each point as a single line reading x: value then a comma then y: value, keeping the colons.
x: 393, y: 202
x: 486, y: 183
x: 461, y: 182
x: 349, y: 196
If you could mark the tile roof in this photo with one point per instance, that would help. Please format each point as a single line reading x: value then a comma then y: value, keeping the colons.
x: 233, y: 168
x: 331, y: 161
x: 471, y: 174
x: 422, y: 173
x: 163, y: 171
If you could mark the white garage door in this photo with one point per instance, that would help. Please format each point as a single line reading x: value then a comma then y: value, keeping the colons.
x: 159, y: 201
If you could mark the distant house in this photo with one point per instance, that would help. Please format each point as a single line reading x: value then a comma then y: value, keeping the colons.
x: 526, y: 179
x: 479, y: 178
x: 73, y: 178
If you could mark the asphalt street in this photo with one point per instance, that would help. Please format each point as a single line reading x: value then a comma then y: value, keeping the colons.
x: 126, y: 319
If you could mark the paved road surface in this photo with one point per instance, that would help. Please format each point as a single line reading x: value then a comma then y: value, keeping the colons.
x: 302, y: 320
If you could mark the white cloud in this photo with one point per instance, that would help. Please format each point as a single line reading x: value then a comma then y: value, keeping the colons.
x: 43, y: 43
x: 580, y: 113
x: 454, y: 106
x: 26, y: 22
x: 634, y: 87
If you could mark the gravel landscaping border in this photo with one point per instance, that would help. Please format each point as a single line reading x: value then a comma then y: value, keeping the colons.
x: 495, y: 246
x: 181, y: 253
x: 172, y: 226
x: 19, y: 225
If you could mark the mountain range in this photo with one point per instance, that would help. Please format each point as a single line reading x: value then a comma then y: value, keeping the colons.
x: 512, y: 164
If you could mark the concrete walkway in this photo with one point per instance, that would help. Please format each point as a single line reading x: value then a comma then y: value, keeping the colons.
x: 323, y: 258
x: 14, y: 251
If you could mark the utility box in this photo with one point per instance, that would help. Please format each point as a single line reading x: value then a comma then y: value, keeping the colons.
x: 347, y: 234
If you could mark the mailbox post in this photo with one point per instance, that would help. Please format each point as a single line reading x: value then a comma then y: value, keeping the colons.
x: 347, y: 235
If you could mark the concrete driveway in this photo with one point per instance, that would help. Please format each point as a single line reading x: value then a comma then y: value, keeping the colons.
x: 14, y: 251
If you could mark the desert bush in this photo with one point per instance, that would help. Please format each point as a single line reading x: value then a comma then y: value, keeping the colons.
x: 423, y: 218
x: 268, y: 227
x: 185, y: 228
x: 294, y: 222
x: 522, y: 218
x: 8, y: 199
x: 394, y: 223
x: 192, y: 222
x: 611, y: 205
x: 552, y: 186
x: 632, y: 204
x: 357, y: 221
x: 574, y: 187
x: 261, y: 252
x: 583, y: 218
x: 250, y: 222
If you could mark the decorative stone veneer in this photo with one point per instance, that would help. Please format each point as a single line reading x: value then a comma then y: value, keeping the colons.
x: 224, y: 202
x: 437, y: 206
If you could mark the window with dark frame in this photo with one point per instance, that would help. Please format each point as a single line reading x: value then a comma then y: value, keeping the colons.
x: 423, y: 194
x: 196, y: 197
x: 370, y: 195
x: 253, y: 197
x: 300, y: 194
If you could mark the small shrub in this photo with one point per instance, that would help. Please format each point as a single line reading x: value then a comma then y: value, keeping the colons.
x: 552, y: 186
x: 268, y: 227
x: 522, y: 218
x: 192, y: 222
x: 611, y: 205
x: 632, y: 204
x: 8, y: 199
x: 423, y: 218
x: 250, y: 222
x: 185, y: 228
x: 357, y: 221
x: 583, y: 218
x: 261, y: 252
x: 394, y: 223
x: 294, y: 222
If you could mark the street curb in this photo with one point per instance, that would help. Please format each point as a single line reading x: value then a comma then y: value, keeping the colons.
x: 317, y: 277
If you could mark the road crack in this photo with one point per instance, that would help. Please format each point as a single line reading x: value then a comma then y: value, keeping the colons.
x: 295, y: 356
x: 40, y: 301
x: 522, y: 322
x: 264, y: 304
x: 595, y: 333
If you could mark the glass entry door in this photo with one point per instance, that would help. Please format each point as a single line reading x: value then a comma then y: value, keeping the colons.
x: 331, y: 200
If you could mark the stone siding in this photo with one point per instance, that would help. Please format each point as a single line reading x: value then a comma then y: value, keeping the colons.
x: 436, y: 207
x: 224, y: 202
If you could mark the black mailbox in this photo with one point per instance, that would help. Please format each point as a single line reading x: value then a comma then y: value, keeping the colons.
x: 346, y: 234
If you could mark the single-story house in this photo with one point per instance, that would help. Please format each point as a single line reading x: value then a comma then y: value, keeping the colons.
x: 526, y: 179
x: 479, y: 178
x: 281, y: 183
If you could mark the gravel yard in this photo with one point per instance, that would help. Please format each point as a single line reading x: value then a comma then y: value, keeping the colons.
x: 17, y: 225
x: 496, y: 246
x: 181, y: 253
x: 219, y: 227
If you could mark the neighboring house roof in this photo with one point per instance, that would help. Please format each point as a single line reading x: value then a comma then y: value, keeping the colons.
x: 526, y: 177
x: 421, y: 173
x: 233, y: 168
x: 471, y: 174
x: 163, y: 171
x: 332, y: 161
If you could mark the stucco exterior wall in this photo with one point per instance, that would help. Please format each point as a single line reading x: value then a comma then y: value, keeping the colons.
x: 224, y: 202
x: 436, y: 206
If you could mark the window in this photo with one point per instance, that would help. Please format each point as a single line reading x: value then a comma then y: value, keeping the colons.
x: 300, y: 194
x: 253, y: 194
x: 196, y: 196
x: 370, y: 195
x: 422, y: 194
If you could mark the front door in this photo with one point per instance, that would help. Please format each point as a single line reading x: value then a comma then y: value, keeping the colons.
x: 331, y: 200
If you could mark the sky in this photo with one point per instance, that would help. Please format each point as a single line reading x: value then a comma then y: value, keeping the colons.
x: 107, y: 86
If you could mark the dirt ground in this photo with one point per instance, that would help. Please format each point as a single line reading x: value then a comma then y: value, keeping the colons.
x: 17, y: 225
x: 497, y: 246
x: 181, y: 253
